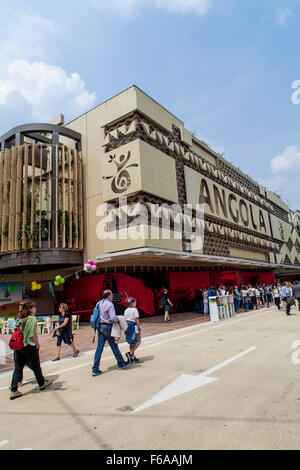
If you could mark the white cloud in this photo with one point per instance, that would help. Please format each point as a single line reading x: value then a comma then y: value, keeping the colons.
x: 130, y: 7
x: 288, y: 161
x: 283, y: 177
x: 283, y: 14
x: 45, y: 89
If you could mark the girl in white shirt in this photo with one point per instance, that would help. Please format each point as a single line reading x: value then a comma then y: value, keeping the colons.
x: 133, y: 333
x: 276, y: 295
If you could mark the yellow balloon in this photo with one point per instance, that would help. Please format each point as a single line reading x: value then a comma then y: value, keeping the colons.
x: 39, y: 286
x: 33, y: 288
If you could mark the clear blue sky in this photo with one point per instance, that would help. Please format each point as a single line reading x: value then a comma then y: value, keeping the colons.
x: 224, y: 67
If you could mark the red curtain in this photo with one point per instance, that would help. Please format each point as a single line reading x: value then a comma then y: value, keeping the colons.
x: 224, y: 277
x: 189, y: 280
x: 84, y: 293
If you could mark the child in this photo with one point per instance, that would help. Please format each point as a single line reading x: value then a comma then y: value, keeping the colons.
x: 133, y: 333
x: 65, y: 331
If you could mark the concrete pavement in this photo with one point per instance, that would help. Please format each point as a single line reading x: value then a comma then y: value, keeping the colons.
x: 253, y: 403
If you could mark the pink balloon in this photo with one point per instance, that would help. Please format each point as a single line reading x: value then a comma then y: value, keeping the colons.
x: 88, y: 266
x: 90, y: 261
x: 94, y: 267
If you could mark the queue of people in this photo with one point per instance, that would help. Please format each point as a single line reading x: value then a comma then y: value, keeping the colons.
x: 248, y: 297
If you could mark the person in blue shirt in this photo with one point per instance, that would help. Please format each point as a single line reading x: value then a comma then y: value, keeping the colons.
x: 286, y: 293
x: 237, y: 298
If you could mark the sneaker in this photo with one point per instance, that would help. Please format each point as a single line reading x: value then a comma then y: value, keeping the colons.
x: 126, y: 364
x: 15, y: 395
x: 47, y: 383
x: 128, y: 355
x: 135, y: 359
x: 99, y: 372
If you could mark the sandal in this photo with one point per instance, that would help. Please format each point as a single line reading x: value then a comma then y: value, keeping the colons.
x: 76, y: 354
x: 56, y: 359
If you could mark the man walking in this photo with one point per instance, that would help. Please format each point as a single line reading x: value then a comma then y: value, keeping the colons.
x: 296, y: 292
x: 285, y: 296
x: 107, y: 316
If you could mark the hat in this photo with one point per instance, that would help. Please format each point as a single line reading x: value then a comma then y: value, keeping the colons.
x: 130, y: 300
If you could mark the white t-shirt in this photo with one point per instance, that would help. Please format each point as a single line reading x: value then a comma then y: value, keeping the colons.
x: 131, y: 313
x: 276, y: 292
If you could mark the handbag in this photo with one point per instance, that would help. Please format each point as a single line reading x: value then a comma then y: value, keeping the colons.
x: 290, y: 301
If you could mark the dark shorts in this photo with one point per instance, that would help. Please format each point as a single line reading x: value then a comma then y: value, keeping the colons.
x: 64, y: 337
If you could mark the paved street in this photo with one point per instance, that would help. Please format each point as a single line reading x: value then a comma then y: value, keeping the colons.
x: 170, y: 400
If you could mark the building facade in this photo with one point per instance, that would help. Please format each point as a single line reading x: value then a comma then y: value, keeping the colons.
x: 127, y: 185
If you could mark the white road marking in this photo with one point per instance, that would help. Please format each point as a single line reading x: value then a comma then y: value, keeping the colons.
x: 123, y: 345
x: 185, y: 383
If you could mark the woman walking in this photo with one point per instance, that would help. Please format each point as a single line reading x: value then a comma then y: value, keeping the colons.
x: 166, y: 304
x: 64, y: 331
x: 29, y: 354
x: 276, y: 295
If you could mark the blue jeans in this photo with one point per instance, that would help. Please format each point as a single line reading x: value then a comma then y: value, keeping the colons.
x: 237, y: 304
x: 104, y: 333
x: 200, y: 306
x: 246, y: 305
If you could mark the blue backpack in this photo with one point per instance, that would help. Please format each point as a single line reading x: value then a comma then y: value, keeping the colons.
x: 95, y: 318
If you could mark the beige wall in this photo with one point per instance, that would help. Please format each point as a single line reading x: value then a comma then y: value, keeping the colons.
x: 247, y: 254
x: 144, y: 240
x: 146, y: 169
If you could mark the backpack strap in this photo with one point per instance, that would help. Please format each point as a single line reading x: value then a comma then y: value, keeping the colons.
x: 23, y: 326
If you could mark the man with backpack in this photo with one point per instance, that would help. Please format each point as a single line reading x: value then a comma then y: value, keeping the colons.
x: 102, y: 319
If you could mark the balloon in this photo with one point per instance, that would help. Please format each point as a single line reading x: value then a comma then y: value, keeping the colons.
x: 94, y: 267
x: 90, y: 261
x: 58, y: 278
x: 62, y: 280
x: 33, y: 288
x: 56, y: 283
x: 88, y: 266
x: 39, y: 286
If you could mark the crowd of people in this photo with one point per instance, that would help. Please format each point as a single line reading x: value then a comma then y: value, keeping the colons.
x: 248, y: 297
x: 245, y: 297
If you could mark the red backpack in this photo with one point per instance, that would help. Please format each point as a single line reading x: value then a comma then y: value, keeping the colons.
x: 16, y: 340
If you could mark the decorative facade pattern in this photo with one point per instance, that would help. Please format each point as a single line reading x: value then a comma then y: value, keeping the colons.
x: 220, y: 235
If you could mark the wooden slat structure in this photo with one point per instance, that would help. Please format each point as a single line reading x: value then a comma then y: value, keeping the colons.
x: 27, y: 205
